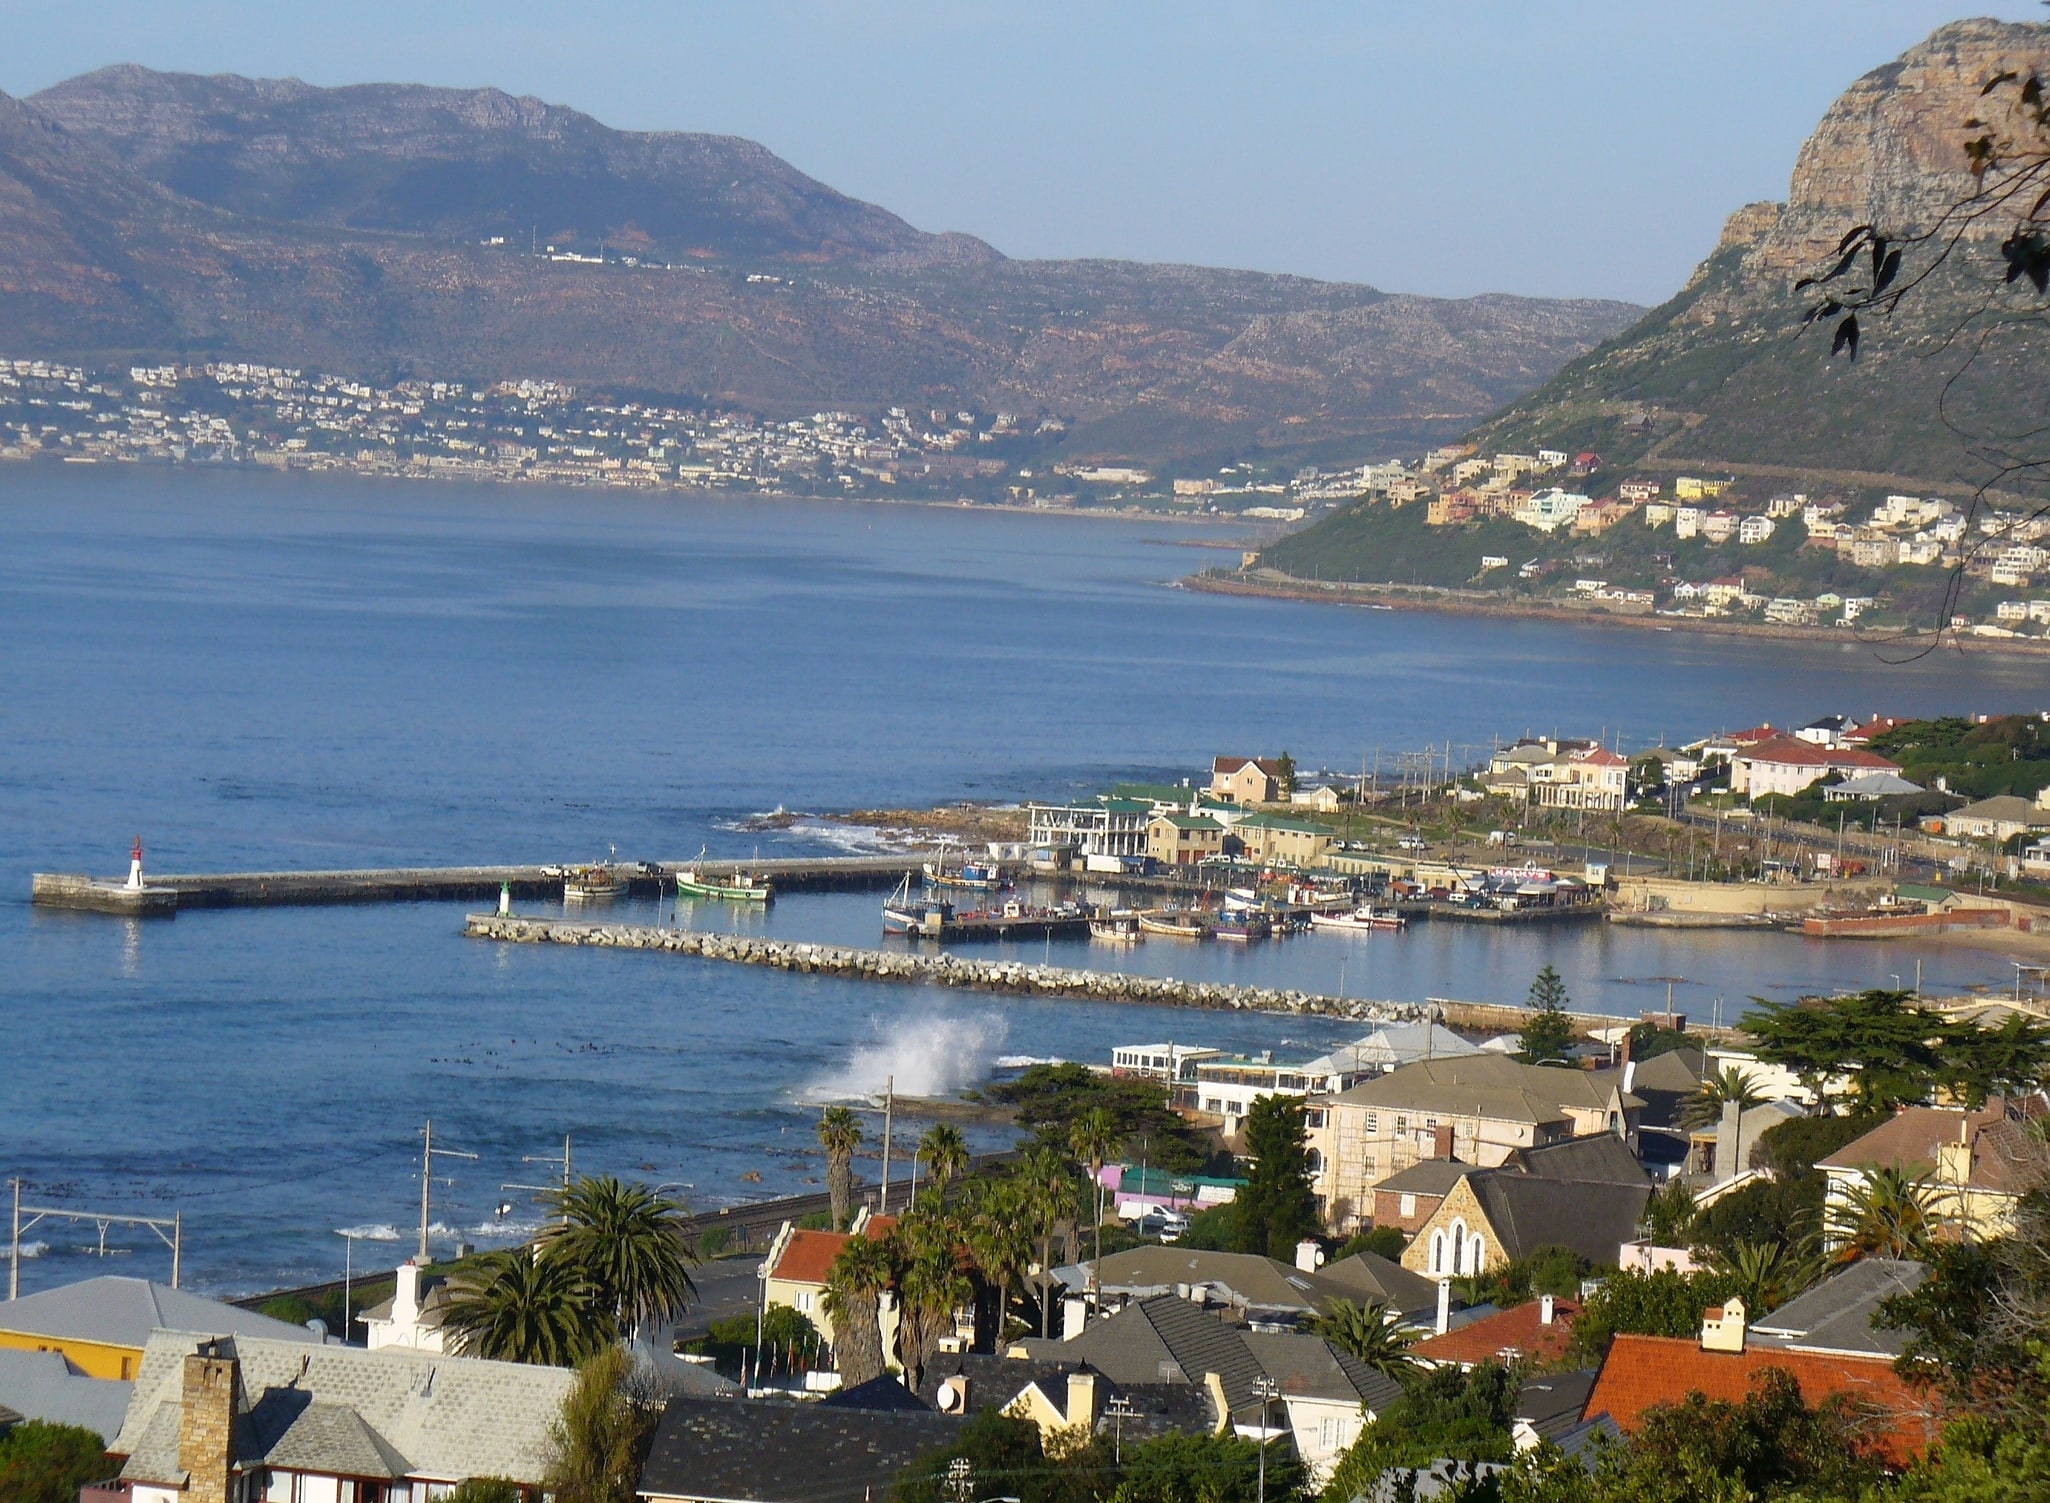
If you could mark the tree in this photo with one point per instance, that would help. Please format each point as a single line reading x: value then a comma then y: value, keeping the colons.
x: 945, y: 1153
x: 1095, y: 1140
x: 1051, y: 1099
x: 1548, y: 1031
x: 1369, y: 1333
x: 45, y: 1463
x: 1382, y: 1241
x: 597, y: 1441
x: 1206, y: 1469
x: 1669, y: 1215
x: 999, y: 1239
x: 1276, y: 1206
x: 1444, y: 1413
x: 855, y: 1285
x: 633, y: 1245
x: 1048, y: 1190
x: 2008, y: 1060
x: 1630, y: 1302
x: 930, y: 1283
x: 522, y: 1305
x: 1765, y: 1210
x: 839, y: 1134
x: 1284, y: 774
x: 487, y: 1490
x: 1729, y: 1086
x: 1889, y: 1213
x: 1893, y: 1052
x: 1766, y: 1274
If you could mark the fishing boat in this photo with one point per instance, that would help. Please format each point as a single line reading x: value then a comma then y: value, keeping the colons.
x: 1172, y: 923
x: 1118, y: 927
x: 979, y: 875
x: 906, y: 914
x: 741, y: 887
x: 1242, y: 926
x: 599, y: 882
x: 1362, y: 919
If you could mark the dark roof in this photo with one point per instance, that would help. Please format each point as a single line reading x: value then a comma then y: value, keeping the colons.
x: 1426, y: 1177
x: 885, y: 1393
x: 1529, y: 1211
x: 1369, y: 1276
x: 1551, y: 1403
x: 1599, y: 1157
x: 744, y: 1451
x: 1838, y: 1314
x: 993, y: 1382
x: 1663, y: 1083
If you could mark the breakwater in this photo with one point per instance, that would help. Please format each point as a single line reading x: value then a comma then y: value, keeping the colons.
x: 1016, y: 978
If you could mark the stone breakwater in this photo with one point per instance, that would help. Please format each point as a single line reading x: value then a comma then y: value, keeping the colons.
x: 941, y: 969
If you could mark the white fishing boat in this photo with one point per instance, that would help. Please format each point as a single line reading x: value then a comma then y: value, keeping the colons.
x: 1118, y: 927
x: 1360, y: 920
x: 1173, y: 923
x: 599, y: 882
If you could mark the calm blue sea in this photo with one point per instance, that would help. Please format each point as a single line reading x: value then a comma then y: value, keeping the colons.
x: 258, y: 672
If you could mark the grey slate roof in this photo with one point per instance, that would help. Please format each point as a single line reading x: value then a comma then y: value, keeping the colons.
x: 993, y: 1382
x: 120, y: 1311
x: 1528, y: 1212
x: 1244, y: 1280
x: 1369, y: 1276
x: 45, y: 1386
x: 1310, y: 1367
x: 349, y: 1411
x: 747, y: 1451
x: 886, y: 1394
x: 1550, y: 1403
x: 1838, y: 1314
x: 1598, y: 1157
x: 1486, y: 1085
x: 1426, y: 1177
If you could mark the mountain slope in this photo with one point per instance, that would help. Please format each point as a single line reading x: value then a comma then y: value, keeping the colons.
x: 322, y: 243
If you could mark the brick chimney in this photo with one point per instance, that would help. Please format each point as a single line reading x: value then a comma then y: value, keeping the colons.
x: 1722, y: 1327
x: 1441, y: 1141
x: 206, y: 1423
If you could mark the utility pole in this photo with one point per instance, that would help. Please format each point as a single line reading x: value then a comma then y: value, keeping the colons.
x: 889, y: 1113
x: 1266, y: 1388
x: 428, y: 1154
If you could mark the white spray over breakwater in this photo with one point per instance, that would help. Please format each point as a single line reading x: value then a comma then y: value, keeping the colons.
x: 925, y: 1056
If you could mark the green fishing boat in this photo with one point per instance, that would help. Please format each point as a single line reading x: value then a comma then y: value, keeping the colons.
x: 741, y: 887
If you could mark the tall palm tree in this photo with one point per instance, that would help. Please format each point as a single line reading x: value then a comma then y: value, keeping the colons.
x: 1095, y: 1138
x: 930, y: 1283
x: 839, y: 1134
x: 519, y: 1306
x: 945, y: 1153
x: 1367, y: 1332
x: 1728, y: 1086
x: 854, y: 1291
x: 1767, y: 1274
x: 1049, y: 1195
x: 632, y: 1244
x: 1887, y: 1214
x: 998, y: 1237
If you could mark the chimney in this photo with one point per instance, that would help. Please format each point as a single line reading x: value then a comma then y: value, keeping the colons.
x: 1074, y: 1316
x: 1441, y: 1141
x: 1309, y: 1255
x: 1729, y: 1142
x: 953, y: 1395
x: 206, y: 1423
x: 405, y: 1304
x: 1722, y: 1327
x: 1544, y: 1309
x: 1444, y: 1306
x: 1082, y: 1399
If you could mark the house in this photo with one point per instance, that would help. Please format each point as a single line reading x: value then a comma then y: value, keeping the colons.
x: 1062, y: 1396
x: 1110, y: 826
x: 1183, y: 839
x: 1477, y: 1109
x: 1596, y: 778
x: 1868, y: 786
x: 1549, y: 1406
x: 1787, y: 765
x: 1409, y: 1199
x: 1246, y: 780
x: 412, y: 1316
x: 1169, y: 1062
x: 1539, y: 1331
x: 1495, y: 1217
x: 1255, y: 1288
x: 800, y: 1261
x: 1840, y: 1316
x: 1644, y: 1372
x: 215, y: 1418
x: 1998, y: 819
x: 46, y: 1386
x: 740, y: 1451
x: 1281, y: 840
x: 1639, y: 490
x: 103, y: 1325
x: 1977, y: 1162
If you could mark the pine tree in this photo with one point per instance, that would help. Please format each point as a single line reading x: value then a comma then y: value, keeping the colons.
x: 1277, y: 1207
x: 1549, y: 1033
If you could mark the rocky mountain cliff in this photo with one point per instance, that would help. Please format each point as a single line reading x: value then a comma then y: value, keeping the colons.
x: 1723, y: 374
x: 157, y: 216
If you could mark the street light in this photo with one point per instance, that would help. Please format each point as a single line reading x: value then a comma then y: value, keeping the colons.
x: 348, y: 1276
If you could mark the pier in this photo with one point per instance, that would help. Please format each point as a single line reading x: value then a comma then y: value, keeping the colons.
x: 443, y: 884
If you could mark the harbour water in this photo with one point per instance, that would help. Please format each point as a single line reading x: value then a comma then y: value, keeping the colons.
x: 260, y: 673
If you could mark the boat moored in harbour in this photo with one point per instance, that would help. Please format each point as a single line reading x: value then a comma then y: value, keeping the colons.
x: 1120, y: 926
x: 1173, y: 923
x: 1362, y: 919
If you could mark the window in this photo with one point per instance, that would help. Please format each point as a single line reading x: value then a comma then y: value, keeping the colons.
x: 1314, y: 1161
x: 1373, y: 1122
x: 1437, y: 1252
x: 1402, y: 1124
x: 1409, y: 1205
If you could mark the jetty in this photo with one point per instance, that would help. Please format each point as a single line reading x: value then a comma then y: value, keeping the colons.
x: 442, y: 884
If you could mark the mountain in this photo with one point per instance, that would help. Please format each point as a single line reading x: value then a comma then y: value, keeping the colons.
x: 164, y: 216
x: 1723, y: 376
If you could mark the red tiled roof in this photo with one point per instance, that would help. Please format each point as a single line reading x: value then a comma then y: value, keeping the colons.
x: 1228, y: 765
x: 808, y: 1256
x: 1791, y: 751
x: 1643, y: 1372
x: 1517, y: 1331
x: 1909, y: 1141
x: 1601, y: 757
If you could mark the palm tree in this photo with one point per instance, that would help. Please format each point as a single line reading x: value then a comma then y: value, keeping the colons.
x: 1095, y: 1138
x: 839, y: 1134
x: 519, y: 1306
x: 1049, y: 1195
x: 930, y: 1284
x: 1729, y: 1086
x: 854, y: 1291
x: 998, y: 1238
x: 1367, y: 1332
x: 632, y: 1244
x: 1767, y: 1274
x: 945, y: 1153
x: 1887, y: 1214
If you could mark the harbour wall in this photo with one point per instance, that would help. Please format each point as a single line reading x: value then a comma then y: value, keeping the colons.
x: 1015, y: 978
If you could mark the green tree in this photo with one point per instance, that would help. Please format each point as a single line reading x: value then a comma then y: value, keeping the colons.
x: 1893, y: 1052
x: 597, y: 1442
x: 1047, y: 1185
x: 1284, y: 776
x: 1382, y: 1241
x: 1206, y: 1469
x: 998, y: 1238
x: 1277, y: 1208
x: 1369, y: 1333
x: 855, y: 1284
x: 1765, y: 1210
x: 1095, y: 1139
x: 1631, y: 1302
x: 518, y: 1305
x: 1888, y: 1213
x: 840, y: 1134
x: 633, y: 1245
x: 930, y: 1283
x: 1444, y: 1413
x: 1766, y: 1274
x: 1548, y: 1031
x: 2011, y: 1059
x: 1669, y: 1215
x: 1051, y: 1099
x: 45, y: 1463
x: 945, y: 1153
x: 487, y: 1490
x: 1729, y: 1086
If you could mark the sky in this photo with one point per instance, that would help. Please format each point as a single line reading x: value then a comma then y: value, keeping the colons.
x: 1583, y: 148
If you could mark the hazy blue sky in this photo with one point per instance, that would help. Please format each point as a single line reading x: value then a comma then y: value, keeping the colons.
x: 1579, y: 147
